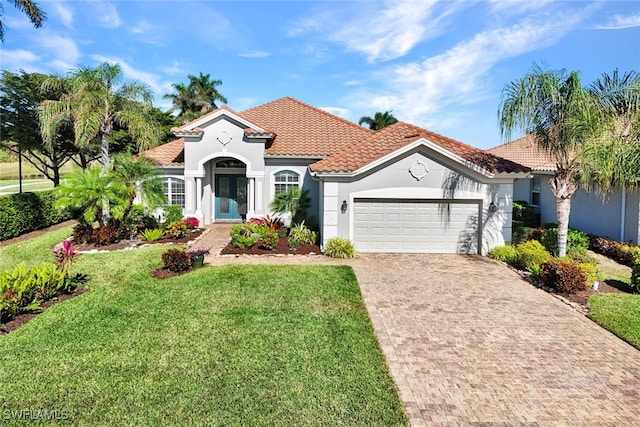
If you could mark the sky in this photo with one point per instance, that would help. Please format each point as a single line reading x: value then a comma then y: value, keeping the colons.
x: 441, y: 65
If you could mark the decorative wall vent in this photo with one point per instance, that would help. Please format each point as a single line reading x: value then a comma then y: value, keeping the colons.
x: 418, y: 170
x: 224, y: 137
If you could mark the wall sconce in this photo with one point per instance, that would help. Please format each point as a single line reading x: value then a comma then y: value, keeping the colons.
x: 343, y: 208
x: 492, y: 207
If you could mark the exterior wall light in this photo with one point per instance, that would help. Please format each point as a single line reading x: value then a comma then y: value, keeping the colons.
x: 344, y: 206
x: 492, y: 207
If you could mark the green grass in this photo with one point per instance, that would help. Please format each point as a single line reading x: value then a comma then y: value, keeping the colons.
x: 618, y: 313
x: 13, y: 186
x: 231, y: 345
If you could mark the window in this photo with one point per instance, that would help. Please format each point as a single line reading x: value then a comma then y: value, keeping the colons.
x: 284, y: 180
x: 174, y: 190
x: 535, y: 191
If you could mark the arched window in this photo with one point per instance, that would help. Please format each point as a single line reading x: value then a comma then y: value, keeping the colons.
x: 174, y: 190
x: 284, y: 180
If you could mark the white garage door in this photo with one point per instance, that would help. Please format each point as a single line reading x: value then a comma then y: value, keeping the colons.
x: 415, y: 226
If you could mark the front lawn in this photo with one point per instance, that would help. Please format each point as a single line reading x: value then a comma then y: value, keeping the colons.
x: 233, y: 345
x: 618, y: 313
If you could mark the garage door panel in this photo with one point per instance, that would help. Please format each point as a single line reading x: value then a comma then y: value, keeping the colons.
x: 415, y: 226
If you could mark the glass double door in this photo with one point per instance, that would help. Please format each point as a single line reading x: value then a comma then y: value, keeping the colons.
x: 231, y: 196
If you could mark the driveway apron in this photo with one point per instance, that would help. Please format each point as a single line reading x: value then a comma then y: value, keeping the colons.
x: 469, y: 342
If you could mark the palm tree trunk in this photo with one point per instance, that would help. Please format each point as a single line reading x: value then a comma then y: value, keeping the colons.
x: 104, y: 148
x: 563, y: 185
x: 563, y: 211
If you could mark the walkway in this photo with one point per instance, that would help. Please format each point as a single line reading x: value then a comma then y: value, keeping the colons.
x: 470, y: 343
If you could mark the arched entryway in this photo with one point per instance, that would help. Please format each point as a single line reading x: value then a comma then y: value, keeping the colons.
x: 230, y: 189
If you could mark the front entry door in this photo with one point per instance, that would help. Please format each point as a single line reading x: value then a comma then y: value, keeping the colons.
x: 231, y: 196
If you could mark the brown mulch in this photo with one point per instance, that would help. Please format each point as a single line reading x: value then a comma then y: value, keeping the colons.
x: 613, y: 286
x: 281, y: 249
x: 23, y: 318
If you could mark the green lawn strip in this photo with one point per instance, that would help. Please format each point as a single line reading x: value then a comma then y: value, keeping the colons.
x: 233, y: 345
x: 619, y: 314
x: 33, y: 251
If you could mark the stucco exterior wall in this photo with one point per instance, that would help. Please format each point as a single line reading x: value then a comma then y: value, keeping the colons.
x: 300, y: 166
x: 445, y: 180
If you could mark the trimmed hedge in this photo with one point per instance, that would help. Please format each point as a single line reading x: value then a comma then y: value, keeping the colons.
x: 24, y: 212
x: 563, y: 276
x: 623, y: 253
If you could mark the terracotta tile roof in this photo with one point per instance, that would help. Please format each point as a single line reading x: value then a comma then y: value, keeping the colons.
x: 304, y: 130
x: 401, y: 134
x: 169, y: 154
x: 526, y: 152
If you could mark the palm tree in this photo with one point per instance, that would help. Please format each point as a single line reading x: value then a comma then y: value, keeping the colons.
x: 31, y: 9
x: 379, y: 120
x: 611, y: 154
x: 137, y: 176
x: 548, y: 105
x: 87, y: 190
x: 97, y: 100
x: 198, y: 98
x: 295, y: 201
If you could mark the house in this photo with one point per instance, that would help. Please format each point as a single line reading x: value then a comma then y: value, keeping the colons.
x: 400, y: 189
x: 616, y: 216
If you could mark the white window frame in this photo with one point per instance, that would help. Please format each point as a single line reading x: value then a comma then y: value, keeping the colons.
x: 533, y: 187
x: 288, y: 184
x: 168, y: 179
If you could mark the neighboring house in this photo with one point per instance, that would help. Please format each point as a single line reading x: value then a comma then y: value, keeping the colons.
x: 400, y: 189
x: 617, y: 216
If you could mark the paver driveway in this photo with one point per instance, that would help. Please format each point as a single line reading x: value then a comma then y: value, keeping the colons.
x: 469, y: 342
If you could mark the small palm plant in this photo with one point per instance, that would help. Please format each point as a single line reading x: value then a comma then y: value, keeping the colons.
x: 294, y: 201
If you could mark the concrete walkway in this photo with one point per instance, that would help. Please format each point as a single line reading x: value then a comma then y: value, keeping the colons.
x: 468, y: 342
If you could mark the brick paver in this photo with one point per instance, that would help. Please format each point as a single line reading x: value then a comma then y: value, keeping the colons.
x: 468, y: 342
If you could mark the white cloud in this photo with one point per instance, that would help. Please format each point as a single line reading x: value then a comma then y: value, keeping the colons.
x: 254, y: 54
x: 106, y: 13
x: 382, y: 33
x: 154, y: 81
x: 62, y: 51
x: 142, y: 27
x: 418, y: 91
x: 514, y: 7
x: 338, y: 111
x: 64, y: 12
x: 20, y: 59
x: 619, y: 22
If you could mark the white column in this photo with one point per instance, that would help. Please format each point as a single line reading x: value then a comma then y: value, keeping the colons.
x: 259, y: 191
x: 198, y: 212
x: 251, y: 197
x: 189, y: 193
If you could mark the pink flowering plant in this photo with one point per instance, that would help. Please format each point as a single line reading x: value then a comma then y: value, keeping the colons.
x: 65, y: 255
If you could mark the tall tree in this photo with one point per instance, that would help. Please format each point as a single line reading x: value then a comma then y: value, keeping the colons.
x: 195, y: 99
x: 20, y: 96
x: 97, y: 101
x: 30, y: 8
x: 611, y: 153
x: 379, y: 120
x: 548, y: 104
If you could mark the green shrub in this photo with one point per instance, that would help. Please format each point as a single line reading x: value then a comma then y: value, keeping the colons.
x: 622, y: 253
x: 236, y: 229
x: 24, y: 289
x: 563, y: 276
x: 243, y: 242
x: 141, y: 219
x: 506, y: 253
x: 178, y: 229
x: 525, y: 214
x: 172, y: 213
x: 337, y: 247
x: 24, y: 212
x: 531, y: 255
x: 635, y: 277
x: 302, y: 235
x: 153, y: 234
x: 270, y: 239
x: 577, y: 241
x: 590, y: 272
x: 176, y: 260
